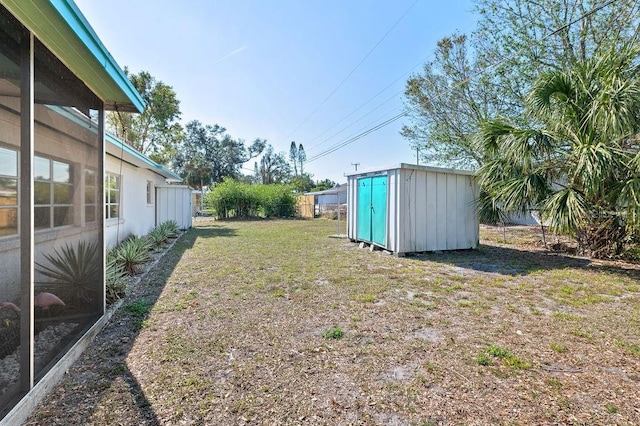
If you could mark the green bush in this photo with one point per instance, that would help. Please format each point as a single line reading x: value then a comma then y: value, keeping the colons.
x: 235, y: 199
x: 75, y: 269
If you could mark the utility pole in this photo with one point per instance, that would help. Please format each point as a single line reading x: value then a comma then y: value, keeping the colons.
x: 355, y: 165
x: 417, y: 155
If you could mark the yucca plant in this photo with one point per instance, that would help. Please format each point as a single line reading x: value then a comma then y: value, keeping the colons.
x: 132, y: 253
x: 158, y: 237
x: 74, y: 267
x: 170, y: 227
x: 116, y: 278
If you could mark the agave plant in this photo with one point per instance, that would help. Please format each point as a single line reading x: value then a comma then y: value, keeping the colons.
x: 116, y: 278
x: 170, y: 227
x: 132, y: 253
x: 75, y: 267
x: 158, y: 237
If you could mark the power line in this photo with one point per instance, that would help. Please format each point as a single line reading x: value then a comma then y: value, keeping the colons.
x: 359, y: 119
x: 362, y: 106
x: 352, y: 71
x: 355, y: 138
x: 465, y: 81
x: 421, y: 62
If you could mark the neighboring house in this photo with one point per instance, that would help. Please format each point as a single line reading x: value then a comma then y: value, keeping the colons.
x: 327, y: 201
x: 55, y: 77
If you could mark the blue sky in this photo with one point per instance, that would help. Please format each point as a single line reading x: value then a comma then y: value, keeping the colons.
x: 261, y: 68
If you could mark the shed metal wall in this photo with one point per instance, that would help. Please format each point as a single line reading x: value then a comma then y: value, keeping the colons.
x: 173, y: 202
x: 428, y: 209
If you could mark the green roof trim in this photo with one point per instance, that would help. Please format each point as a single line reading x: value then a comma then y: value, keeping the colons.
x: 159, y: 168
x: 119, y: 145
x: 60, y: 26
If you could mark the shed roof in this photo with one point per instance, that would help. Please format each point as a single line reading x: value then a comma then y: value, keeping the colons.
x: 413, y: 167
x: 62, y: 28
x: 330, y: 191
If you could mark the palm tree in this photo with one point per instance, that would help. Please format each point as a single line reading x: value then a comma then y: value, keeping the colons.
x: 580, y: 164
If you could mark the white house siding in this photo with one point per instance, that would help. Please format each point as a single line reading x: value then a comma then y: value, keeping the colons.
x: 437, y: 211
x: 136, y: 216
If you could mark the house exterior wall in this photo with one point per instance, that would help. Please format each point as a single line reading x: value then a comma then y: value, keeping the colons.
x: 53, y: 141
x: 136, y: 216
x: 428, y: 209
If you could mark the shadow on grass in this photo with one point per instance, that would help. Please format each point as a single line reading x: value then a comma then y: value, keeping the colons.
x: 210, y: 230
x: 102, y: 377
x: 514, y: 262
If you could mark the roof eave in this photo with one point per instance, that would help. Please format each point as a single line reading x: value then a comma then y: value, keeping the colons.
x: 64, y: 30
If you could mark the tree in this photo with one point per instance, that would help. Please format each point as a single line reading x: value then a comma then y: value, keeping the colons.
x: 274, y: 168
x: 301, y: 158
x: 446, y: 105
x: 301, y: 183
x: 581, y: 166
x: 157, y: 131
x: 531, y: 37
x: 210, y: 148
x: 489, y: 72
x: 197, y: 173
x: 293, y: 157
x: 321, y: 185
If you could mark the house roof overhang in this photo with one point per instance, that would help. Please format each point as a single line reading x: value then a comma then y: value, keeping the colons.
x: 62, y: 28
x: 120, y: 150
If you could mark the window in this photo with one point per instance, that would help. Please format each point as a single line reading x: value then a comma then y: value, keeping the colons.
x: 90, y: 195
x: 150, y: 190
x: 112, y: 196
x: 53, y: 193
x: 8, y: 192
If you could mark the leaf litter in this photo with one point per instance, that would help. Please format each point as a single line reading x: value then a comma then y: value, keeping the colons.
x: 234, y: 335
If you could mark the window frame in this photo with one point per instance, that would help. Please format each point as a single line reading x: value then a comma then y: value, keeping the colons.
x: 108, y: 202
x: 16, y: 178
x: 51, y: 182
x: 150, y: 193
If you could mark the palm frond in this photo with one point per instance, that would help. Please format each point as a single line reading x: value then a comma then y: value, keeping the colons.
x: 566, y: 210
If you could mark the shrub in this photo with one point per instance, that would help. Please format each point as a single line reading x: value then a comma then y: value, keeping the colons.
x: 234, y: 199
x: 170, y: 227
x: 75, y: 268
x: 132, y: 253
x: 116, y: 278
x: 158, y: 237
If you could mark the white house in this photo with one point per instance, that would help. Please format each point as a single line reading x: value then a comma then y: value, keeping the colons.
x: 57, y: 80
x: 137, y: 195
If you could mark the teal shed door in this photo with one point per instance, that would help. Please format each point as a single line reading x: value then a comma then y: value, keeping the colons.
x: 372, y: 209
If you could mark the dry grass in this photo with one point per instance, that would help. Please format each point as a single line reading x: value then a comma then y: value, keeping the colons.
x: 271, y: 322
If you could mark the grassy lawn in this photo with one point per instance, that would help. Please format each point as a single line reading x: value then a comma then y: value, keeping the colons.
x: 272, y: 322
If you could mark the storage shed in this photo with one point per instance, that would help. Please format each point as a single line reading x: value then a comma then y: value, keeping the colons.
x: 411, y: 208
x: 174, y: 203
